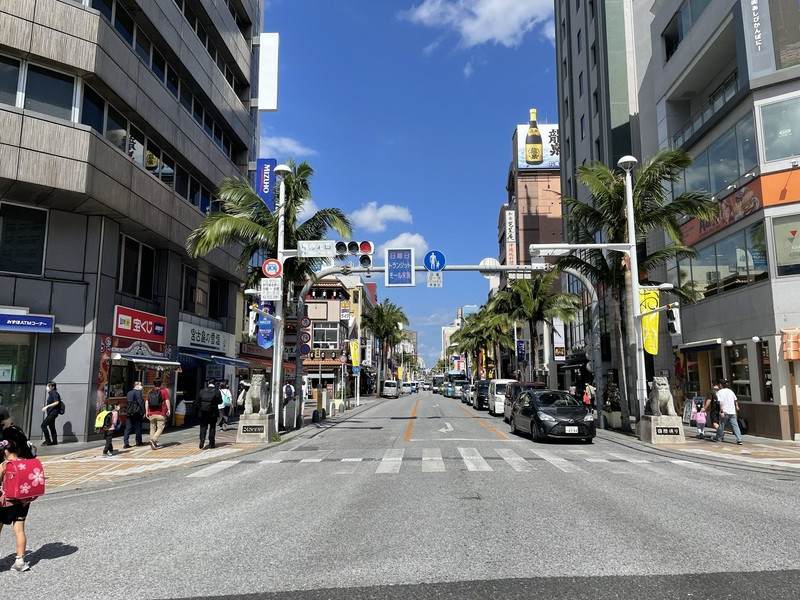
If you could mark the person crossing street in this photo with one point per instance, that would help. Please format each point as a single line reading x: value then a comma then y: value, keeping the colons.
x: 208, y: 401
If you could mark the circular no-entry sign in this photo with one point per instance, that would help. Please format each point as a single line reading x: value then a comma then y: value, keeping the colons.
x: 272, y: 268
x: 305, y: 337
x: 305, y: 322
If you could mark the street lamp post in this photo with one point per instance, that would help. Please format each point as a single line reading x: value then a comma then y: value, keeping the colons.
x: 626, y: 163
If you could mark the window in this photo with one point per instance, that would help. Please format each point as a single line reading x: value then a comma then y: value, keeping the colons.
x: 217, y: 299
x: 704, y: 273
x: 159, y: 65
x: 181, y: 182
x: 49, y: 92
x: 746, y: 144
x: 580, y: 84
x: 325, y: 335
x: 696, y: 176
x: 143, y: 47
x: 173, y: 81
x: 136, y: 268
x: 197, y: 111
x: 583, y: 126
x: 723, y: 162
x: 9, y: 80
x: 103, y: 7
x: 781, y: 129
x: 186, y: 97
x: 167, y: 170
x: 595, y: 103
x: 756, y: 244
x: 136, y: 145
x: 123, y: 23
x: 117, y: 129
x: 593, y: 55
x: 580, y: 41
x: 739, y: 369
x: 189, y: 294
x: 93, y: 109
x: 22, y: 238
x: 205, y: 200
x: 787, y: 245
x: 152, y: 159
x: 732, y: 261
x: 194, y: 192
x: 208, y: 124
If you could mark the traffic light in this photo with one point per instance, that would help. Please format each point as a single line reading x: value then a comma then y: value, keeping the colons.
x: 363, y: 250
x: 252, y: 323
x: 673, y: 319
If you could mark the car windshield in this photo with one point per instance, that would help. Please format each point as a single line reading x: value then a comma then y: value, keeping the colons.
x: 390, y: 384
x: 500, y: 388
x: 555, y: 399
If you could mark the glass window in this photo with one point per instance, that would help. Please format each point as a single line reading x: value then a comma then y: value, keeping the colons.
x: 143, y: 47
x: 197, y: 111
x: 732, y: 261
x: 173, y: 81
x: 103, y: 7
x: 49, y: 92
x: 205, y: 200
x: 230, y: 78
x: 93, y: 109
x: 194, y: 192
x: 117, y: 129
x: 756, y: 241
x: 181, y: 182
x: 781, y: 129
x: 580, y: 41
x: 190, y: 16
x: 167, y: 170
x: 129, y: 271
x: 186, y: 97
x: 208, y: 124
x: 583, y: 126
x: 201, y: 33
x: 220, y: 63
x: 9, y: 80
x: 152, y: 158
x: 159, y: 65
x: 739, y: 369
x: 123, y: 22
x: 136, y: 145
x: 218, y: 135
x: 787, y: 245
x: 214, y: 299
x: 696, y: 176
x: 22, y: 238
x: 766, y: 372
x: 147, y: 272
x: 189, y: 293
x: 325, y: 335
x: 723, y: 162
x: 704, y: 273
x: 746, y: 144
x: 580, y: 84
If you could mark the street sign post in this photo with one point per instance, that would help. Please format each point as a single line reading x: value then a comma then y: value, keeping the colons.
x: 271, y: 289
x: 272, y: 268
x: 434, y: 261
x: 399, y: 267
x: 316, y: 248
x: 434, y: 279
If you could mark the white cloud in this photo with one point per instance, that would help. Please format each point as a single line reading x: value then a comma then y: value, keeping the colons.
x: 406, y: 240
x: 503, y: 22
x: 283, y: 148
x: 374, y: 218
x: 309, y: 208
x: 468, y: 70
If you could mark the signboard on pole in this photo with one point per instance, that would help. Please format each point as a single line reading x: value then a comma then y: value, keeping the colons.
x: 399, y: 267
x: 434, y: 279
x: 316, y: 248
x: 271, y: 289
x: 266, y: 331
x: 265, y: 181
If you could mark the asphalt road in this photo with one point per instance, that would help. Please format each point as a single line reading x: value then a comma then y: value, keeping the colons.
x: 446, y: 503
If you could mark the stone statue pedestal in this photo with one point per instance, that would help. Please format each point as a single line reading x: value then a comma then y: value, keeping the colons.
x: 661, y: 430
x: 255, y: 428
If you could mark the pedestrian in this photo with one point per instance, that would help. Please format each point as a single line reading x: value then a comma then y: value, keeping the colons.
x: 728, y: 406
x: 5, y: 416
x: 288, y: 393
x: 15, y: 513
x: 51, y: 410
x: 712, y: 409
x: 157, y: 410
x: 109, y: 429
x: 208, y: 401
x: 134, y: 414
x: 225, y: 406
x: 700, y: 420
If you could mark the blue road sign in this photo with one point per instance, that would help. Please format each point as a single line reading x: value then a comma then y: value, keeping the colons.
x: 356, y: 370
x: 434, y: 261
x: 399, y: 267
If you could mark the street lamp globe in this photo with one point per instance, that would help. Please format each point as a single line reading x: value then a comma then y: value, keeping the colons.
x: 627, y: 163
x: 282, y: 170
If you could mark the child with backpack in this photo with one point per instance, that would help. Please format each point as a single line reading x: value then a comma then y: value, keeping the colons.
x: 700, y: 420
x: 14, y: 511
x: 111, y: 424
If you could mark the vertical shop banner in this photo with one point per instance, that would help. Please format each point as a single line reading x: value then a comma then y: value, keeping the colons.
x: 511, y: 237
x: 265, y: 326
x: 355, y: 352
x: 265, y: 181
x: 648, y: 300
x: 520, y: 350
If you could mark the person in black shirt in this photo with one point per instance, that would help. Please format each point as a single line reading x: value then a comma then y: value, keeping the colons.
x: 134, y: 415
x: 51, y: 411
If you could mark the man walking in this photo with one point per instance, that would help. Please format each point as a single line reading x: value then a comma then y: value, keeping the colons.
x: 728, y: 405
x: 135, y: 412
x: 157, y: 410
x: 51, y: 410
x: 208, y: 401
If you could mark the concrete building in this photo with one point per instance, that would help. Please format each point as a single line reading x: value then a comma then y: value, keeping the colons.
x: 117, y: 120
x: 724, y: 84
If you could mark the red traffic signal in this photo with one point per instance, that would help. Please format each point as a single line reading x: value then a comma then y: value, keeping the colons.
x: 363, y: 250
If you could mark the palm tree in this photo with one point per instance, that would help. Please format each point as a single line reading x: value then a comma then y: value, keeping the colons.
x: 469, y: 339
x: 532, y: 301
x: 495, y: 331
x: 603, y: 217
x: 384, y: 320
x: 244, y: 219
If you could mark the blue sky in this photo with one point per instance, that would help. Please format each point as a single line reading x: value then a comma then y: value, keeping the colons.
x: 405, y: 109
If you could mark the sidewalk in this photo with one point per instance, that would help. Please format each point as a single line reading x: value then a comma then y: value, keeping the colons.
x: 73, y: 465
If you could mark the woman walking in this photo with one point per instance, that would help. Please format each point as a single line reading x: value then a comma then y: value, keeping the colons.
x: 225, y: 407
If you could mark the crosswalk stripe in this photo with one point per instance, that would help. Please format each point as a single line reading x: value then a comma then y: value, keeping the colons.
x: 474, y: 460
x: 699, y: 467
x: 432, y: 460
x: 215, y: 468
x: 391, y: 462
x: 514, y: 460
x: 311, y: 460
x: 557, y: 461
x: 597, y: 460
x: 630, y: 459
x: 352, y: 459
x: 270, y: 461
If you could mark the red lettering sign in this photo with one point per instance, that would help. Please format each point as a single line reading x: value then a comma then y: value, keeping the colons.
x: 138, y: 325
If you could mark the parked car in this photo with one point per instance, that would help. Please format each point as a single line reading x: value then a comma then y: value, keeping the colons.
x: 405, y: 387
x: 414, y: 386
x: 513, y: 391
x: 481, y: 395
x: 497, y: 395
x: 466, y: 390
x: 447, y: 389
x: 426, y: 385
x: 390, y: 389
x: 457, y: 385
x: 552, y: 413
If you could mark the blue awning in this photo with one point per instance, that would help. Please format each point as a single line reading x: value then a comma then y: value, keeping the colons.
x: 215, y: 358
x: 700, y: 345
x: 233, y: 362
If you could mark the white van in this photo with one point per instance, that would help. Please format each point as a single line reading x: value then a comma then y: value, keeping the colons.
x: 497, y: 395
x: 390, y: 389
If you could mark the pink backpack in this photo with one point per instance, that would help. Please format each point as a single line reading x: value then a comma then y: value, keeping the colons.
x: 23, y: 481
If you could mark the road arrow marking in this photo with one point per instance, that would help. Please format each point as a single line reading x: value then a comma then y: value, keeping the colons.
x: 447, y: 428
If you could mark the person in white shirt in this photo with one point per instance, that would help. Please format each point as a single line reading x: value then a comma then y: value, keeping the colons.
x: 728, y: 406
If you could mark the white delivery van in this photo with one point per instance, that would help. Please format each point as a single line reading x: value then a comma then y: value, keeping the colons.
x: 497, y: 395
x: 390, y: 389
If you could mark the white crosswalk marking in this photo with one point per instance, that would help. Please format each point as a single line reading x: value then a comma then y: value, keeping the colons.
x: 699, y: 467
x: 215, y: 468
x: 514, y: 460
x: 630, y: 459
x: 597, y: 460
x: 352, y: 459
x: 308, y: 460
x: 270, y: 461
x: 474, y: 460
x: 432, y: 460
x: 558, y: 462
x: 391, y: 462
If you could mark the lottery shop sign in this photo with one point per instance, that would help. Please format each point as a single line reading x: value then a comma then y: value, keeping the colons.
x: 139, y: 325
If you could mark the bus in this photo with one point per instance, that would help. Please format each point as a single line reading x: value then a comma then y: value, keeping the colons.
x: 437, y: 382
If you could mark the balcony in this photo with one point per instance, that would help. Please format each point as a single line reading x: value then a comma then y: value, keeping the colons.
x: 718, y: 100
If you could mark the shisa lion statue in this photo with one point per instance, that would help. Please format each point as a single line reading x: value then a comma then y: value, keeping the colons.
x: 255, y: 397
x: 660, y: 399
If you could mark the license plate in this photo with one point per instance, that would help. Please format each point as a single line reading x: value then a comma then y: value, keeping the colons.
x: 571, y: 428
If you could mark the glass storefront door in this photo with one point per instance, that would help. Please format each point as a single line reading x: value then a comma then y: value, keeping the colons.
x: 16, y: 375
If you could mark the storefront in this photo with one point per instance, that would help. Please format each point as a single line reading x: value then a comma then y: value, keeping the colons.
x: 18, y: 335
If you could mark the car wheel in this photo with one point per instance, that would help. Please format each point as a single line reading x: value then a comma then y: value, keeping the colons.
x: 535, y: 433
x: 588, y: 440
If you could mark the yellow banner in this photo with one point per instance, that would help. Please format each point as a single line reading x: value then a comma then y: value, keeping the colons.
x: 355, y: 352
x: 400, y: 373
x: 648, y: 300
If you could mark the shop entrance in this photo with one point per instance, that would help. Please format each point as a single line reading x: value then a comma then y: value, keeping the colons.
x: 16, y: 376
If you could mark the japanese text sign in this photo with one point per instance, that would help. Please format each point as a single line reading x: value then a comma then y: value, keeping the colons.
x: 138, y: 325
x: 265, y: 181
x: 399, y: 267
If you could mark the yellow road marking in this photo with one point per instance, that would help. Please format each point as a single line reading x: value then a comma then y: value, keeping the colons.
x: 411, y: 421
x: 484, y: 423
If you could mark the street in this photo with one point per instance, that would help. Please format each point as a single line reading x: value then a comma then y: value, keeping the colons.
x: 432, y: 498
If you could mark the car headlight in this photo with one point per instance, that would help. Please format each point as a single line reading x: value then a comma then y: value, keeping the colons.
x: 543, y: 416
x: 588, y: 418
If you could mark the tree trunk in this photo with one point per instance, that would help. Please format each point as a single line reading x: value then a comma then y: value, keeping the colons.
x: 623, y: 375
